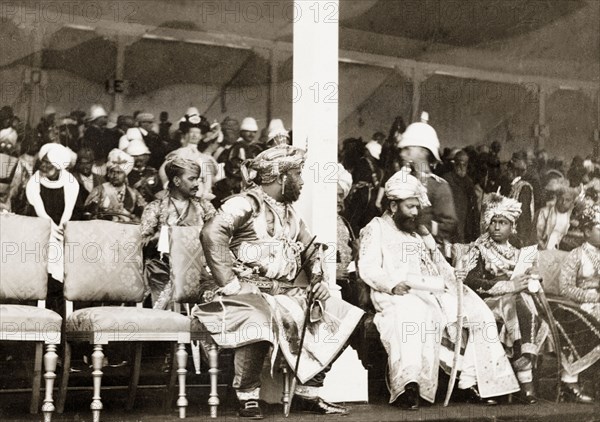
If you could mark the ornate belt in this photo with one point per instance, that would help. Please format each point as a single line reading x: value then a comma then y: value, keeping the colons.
x: 267, y: 284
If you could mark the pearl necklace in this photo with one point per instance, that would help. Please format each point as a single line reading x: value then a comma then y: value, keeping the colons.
x: 279, y: 208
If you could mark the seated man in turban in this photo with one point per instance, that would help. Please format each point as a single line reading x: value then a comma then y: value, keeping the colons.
x: 255, y: 247
x: 414, y: 292
x: 200, y: 139
x: 179, y: 207
x: 500, y: 273
x: 579, y: 319
x: 115, y: 200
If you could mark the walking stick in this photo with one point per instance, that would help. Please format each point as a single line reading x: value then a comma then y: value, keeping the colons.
x: 310, y: 300
x: 458, y: 341
x: 303, y: 266
x: 554, y: 331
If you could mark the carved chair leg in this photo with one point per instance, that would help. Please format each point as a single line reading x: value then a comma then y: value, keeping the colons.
x: 285, y: 399
x: 97, y: 361
x: 64, y: 380
x: 182, y: 357
x: 213, y: 370
x: 134, y: 377
x: 50, y: 361
x: 172, y: 378
x: 34, y: 404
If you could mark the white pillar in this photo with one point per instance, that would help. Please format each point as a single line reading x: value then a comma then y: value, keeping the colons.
x: 315, y: 115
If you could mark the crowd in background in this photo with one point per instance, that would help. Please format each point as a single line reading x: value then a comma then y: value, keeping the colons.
x: 96, y: 141
x: 550, y: 190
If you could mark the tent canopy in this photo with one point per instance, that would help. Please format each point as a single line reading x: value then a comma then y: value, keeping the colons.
x: 171, y: 44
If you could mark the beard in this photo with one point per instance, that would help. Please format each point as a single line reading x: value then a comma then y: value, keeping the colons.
x: 291, y: 192
x: 405, y: 223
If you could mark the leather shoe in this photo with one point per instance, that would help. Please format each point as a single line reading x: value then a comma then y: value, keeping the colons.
x: 250, y: 409
x: 528, y: 395
x: 571, y: 392
x: 471, y: 395
x: 410, y: 399
x: 317, y: 405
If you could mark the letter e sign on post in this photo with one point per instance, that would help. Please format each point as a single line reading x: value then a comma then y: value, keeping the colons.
x: 116, y: 86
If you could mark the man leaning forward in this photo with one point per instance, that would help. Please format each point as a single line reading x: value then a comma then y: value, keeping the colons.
x: 255, y: 246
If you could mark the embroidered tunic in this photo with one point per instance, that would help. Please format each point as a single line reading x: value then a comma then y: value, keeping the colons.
x: 126, y: 203
x: 492, y: 269
x: 580, y: 278
x: 263, y: 242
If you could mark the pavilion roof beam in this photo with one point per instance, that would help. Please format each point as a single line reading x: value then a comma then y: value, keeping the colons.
x: 464, y: 72
x: 109, y: 27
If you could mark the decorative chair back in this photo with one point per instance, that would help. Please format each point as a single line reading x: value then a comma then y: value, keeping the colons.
x: 188, y: 264
x: 98, y: 268
x: 25, y: 253
x: 549, y: 264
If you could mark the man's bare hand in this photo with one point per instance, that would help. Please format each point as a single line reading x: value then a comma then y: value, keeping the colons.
x: 521, y: 282
x: 401, y: 289
x: 321, y: 291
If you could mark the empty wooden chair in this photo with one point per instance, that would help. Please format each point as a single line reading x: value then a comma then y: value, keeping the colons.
x: 103, y: 263
x: 190, y: 276
x: 24, y: 279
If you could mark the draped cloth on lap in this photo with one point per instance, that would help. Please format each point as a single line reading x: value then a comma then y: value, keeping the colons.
x: 238, y: 320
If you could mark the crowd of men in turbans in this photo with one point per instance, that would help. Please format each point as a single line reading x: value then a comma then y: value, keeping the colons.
x: 97, y: 140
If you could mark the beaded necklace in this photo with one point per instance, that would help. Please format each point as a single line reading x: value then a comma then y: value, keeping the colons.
x: 279, y: 209
x: 507, y: 252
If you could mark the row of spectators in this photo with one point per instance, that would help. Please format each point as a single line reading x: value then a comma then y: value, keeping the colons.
x: 551, y: 193
x: 97, y: 139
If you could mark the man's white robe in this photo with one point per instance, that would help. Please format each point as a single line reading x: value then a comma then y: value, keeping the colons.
x: 418, y: 329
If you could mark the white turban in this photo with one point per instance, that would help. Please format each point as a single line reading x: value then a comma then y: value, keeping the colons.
x: 132, y: 134
x: 121, y: 160
x: 344, y: 179
x: 58, y: 155
x: 495, y: 204
x: 9, y: 135
x: 402, y: 185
